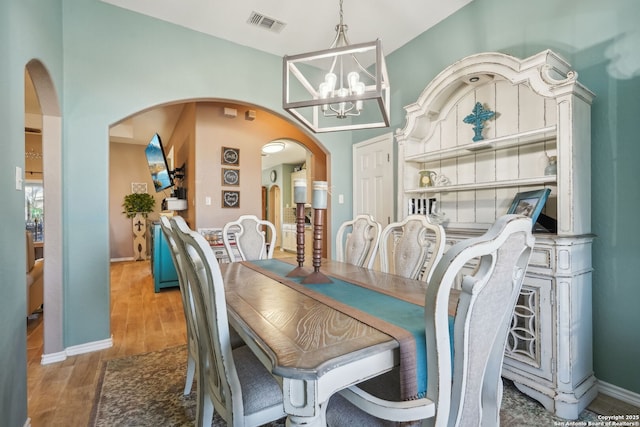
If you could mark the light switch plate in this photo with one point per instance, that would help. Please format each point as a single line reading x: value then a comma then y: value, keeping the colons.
x: 18, y: 178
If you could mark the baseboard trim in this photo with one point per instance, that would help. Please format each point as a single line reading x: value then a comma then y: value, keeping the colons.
x: 50, y: 358
x: 619, y: 393
x: 75, y: 350
x: 129, y: 258
x: 90, y: 347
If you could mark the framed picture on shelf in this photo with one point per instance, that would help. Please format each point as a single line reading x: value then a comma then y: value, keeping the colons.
x: 230, y: 156
x: 230, y: 199
x: 529, y: 203
x: 230, y: 176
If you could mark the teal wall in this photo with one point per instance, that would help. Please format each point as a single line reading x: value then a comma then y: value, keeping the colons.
x: 115, y: 63
x: 28, y: 29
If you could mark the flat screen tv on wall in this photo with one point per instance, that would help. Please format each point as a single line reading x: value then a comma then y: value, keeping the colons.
x: 158, y: 166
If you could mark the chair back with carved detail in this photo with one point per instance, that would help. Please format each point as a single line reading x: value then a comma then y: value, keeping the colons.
x: 233, y: 382
x: 187, y: 301
x: 357, y: 241
x: 469, y: 392
x: 411, y: 247
x: 248, y: 235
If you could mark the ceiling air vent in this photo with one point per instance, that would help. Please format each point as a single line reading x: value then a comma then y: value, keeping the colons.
x: 271, y: 24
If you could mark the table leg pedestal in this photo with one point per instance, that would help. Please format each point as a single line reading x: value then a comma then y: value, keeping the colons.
x: 300, y: 403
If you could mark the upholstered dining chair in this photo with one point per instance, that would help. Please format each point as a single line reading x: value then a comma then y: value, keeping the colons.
x: 469, y: 393
x: 35, y: 277
x: 249, y: 238
x: 232, y: 382
x: 187, y: 302
x: 357, y: 241
x: 411, y: 247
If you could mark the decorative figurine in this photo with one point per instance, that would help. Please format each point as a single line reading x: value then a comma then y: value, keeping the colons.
x: 477, y: 118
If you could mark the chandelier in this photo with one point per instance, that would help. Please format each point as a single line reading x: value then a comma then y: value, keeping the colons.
x: 344, y: 87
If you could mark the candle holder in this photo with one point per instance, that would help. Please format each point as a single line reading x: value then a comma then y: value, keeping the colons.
x: 299, y: 271
x: 319, y: 207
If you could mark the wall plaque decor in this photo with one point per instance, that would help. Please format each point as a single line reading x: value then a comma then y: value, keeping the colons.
x: 230, y: 176
x: 230, y: 199
x: 138, y: 187
x: 477, y: 118
x: 230, y: 156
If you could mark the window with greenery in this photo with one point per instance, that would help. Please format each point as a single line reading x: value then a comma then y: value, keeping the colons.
x: 34, y: 209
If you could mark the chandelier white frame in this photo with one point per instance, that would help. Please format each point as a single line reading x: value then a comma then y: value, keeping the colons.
x: 353, y: 94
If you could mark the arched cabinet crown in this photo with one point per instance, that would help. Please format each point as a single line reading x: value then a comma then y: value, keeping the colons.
x: 535, y: 109
x: 541, y: 110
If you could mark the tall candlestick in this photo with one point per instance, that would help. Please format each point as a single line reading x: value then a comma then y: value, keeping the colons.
x: 316, y: 275
x: 319, y: 200
x: 299, y: 271
x: 319, y: 203
x: 300, y: 190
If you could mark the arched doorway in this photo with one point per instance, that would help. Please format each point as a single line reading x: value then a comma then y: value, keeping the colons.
x: 183, y: 139
x: 49, y: 108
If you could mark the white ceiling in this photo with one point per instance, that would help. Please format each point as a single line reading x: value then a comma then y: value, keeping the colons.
x: 309, y: 25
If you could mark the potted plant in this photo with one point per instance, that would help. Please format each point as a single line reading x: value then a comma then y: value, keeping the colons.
x: 138, y: 206
x: 138, y: 203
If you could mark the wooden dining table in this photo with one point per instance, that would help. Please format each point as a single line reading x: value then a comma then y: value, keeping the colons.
x: 311, y: 343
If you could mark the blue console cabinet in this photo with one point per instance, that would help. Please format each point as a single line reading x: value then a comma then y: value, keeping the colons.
x: 162, y: 268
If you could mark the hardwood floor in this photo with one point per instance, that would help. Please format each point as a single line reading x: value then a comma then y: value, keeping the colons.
x: 62, y: 394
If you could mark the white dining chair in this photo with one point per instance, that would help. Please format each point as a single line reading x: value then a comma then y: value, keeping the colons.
x: 247, y: 236
x: 411, y: 247
x: 187, y: 303
x: 357, y: 241
x: 468, y: 393
x: 232, y: 382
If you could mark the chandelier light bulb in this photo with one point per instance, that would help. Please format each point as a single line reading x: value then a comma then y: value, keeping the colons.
x: 353, y: 78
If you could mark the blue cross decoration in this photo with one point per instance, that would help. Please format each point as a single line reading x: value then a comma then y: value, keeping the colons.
x: 477, y: 118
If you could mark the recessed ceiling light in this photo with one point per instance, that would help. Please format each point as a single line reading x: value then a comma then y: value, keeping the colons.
x: 273, y: 147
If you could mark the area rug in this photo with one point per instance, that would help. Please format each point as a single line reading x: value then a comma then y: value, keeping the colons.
x: 146, y: 390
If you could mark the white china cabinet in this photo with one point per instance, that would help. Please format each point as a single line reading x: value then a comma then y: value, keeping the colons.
x: 536, y: 110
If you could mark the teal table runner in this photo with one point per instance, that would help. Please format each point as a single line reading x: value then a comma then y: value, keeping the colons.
x: 402, y: 314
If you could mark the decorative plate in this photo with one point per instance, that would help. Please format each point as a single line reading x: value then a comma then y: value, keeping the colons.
x: 230, y: 156
x: 230, y: 177
x: 230, y: 199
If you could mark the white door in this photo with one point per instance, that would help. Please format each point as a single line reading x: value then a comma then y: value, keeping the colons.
x: 373, y: 178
